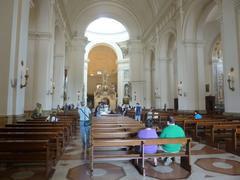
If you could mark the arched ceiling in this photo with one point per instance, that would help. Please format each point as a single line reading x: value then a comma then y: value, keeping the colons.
x: 102, y: 58
x: 142, y: 11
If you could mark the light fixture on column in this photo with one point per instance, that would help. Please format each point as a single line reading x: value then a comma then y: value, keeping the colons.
x: 14, y: 82
x: 24, y: 78
x: 78, y: 95
x: 179, y: 90
x: 230, y: 79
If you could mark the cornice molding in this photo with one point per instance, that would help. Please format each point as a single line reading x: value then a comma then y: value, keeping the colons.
x: 39, y: 35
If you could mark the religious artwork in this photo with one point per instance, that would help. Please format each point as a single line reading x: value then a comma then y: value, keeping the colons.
x: 127, y: 90
x: 105, y: 90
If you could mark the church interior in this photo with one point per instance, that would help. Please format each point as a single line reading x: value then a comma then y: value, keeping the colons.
x: 172, y: 57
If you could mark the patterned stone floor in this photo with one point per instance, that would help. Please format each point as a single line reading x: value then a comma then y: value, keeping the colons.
x: 207, y: 163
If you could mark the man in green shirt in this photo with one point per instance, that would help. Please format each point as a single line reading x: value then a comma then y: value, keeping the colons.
x: 171, y: 131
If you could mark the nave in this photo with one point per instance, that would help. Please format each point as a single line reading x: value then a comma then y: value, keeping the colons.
x: 206, y: 162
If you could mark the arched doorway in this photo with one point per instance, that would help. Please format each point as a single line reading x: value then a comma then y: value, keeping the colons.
x: 107, y: 62
x: 102, y: 76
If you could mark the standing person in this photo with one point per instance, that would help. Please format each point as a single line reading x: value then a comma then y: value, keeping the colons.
x: 97, y: 110
x: 171, y: 131
x: 85, y: 118
x: 138, y: 112
x: 149, y: 133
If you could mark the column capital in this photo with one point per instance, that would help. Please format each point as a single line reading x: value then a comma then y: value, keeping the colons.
x: 78, y: 43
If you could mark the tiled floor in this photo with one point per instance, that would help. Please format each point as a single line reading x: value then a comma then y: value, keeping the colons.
x: 207, y: 163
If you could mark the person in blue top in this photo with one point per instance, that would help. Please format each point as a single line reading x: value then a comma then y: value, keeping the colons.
x: 197, y: 115
x: 138, y: 112
x: 85, y: 118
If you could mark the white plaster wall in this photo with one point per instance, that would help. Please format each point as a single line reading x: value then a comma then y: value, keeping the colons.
x: 14, y: 46
x: 42, y: 36
x: 6, y: 13
x: 136, y: 71
x: 58, y: 67
x: 76, y: 70
x: 230, y: 55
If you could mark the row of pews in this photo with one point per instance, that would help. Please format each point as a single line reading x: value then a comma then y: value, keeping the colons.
x: 214, y: 130
x: 36, y: 141
x: 114, y: 138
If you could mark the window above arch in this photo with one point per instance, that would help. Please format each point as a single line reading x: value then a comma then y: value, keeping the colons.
x: 106, y: 29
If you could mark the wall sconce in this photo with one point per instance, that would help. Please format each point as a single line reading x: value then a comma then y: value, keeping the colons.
x: 230, y: 79
x: 14, y: 83
x: 78, y: 95
x: 156, y: 94
x: 52, y: 90
x: 179, y: 90
x: 26, y: 76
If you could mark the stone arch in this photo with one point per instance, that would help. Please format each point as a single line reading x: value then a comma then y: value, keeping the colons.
x: 191, y: 18
x: 164, y: 40
x: 110, y: 10
x: 113, y: 46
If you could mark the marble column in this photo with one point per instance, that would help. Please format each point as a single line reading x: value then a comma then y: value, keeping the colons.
x: 14, y: 18
x: 40, y: 56
x: 136, y: 71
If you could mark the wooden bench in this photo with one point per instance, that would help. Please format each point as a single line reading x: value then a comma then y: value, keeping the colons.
x: 47, y: 126
x: 129, y: 154
x: 60, y: 130
x: 222, y: 132
x: 53, y: 137
x: 26, y: 151
x: 184, y: 154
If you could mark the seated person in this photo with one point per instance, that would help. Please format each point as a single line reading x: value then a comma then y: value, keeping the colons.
x: 149, y: 114
x: 197, y: 115
x: 149, y: 133
x: 52, y: 117
x: 171, y: 131
x: 37, y: 112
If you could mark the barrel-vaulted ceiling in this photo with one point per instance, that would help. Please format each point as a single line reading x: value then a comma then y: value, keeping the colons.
x: 144, y: 11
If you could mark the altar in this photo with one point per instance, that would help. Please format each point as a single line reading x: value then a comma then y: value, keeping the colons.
x: 105, y: 93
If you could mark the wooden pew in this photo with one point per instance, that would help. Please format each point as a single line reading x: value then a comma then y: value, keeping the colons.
x: 59, y: 130
x: 113, y: 135
x: 236, y: 140
x: 106, y: 155
x: 129, y: 154
x: 53, y: 137
x: 47, y: 126
x: 184, y: 153
x: 222, y: 132
x: 27, y: 151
